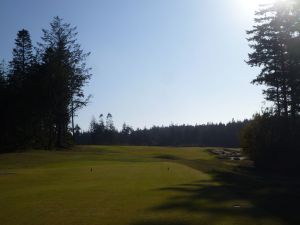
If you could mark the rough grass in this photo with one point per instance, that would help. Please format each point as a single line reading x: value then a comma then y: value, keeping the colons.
x: 140, y: 186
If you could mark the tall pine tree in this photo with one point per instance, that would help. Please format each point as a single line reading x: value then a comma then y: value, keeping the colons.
x: 273, y: 141
x: 20, y: 68
x: 22, y: 59
x: 63, y: 62
x: 275, y: 43
x: 3, y: 104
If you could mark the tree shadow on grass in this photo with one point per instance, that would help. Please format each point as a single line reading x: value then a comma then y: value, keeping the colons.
x: 234, y: 191
x: 160, y: 222
x: 166, y: 157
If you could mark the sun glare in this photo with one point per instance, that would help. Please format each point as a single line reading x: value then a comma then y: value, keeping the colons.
x: 257, y: 3
x: 261, y: 2
x: 252, y: 5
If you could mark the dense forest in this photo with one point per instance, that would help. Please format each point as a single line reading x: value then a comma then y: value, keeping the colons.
x: 41, y: 89
x: 272, y: 138
x: 104, y: 132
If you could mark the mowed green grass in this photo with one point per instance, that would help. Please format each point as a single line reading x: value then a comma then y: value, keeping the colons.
x: 140, y: 186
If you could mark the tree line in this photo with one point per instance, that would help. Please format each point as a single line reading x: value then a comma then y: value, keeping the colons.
x: 103, y: 131
x: 41, y: 89
x: 272, y: 138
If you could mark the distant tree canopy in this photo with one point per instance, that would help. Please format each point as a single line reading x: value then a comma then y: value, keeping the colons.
x: 272, y: 139
x: 42, y: 90
x: 225, y: 135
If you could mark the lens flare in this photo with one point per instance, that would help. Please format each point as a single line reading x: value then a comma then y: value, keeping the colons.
x: 252, y: 5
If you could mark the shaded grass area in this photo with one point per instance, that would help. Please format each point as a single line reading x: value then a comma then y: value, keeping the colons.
x: 237, y: 193
x: 141, y: 186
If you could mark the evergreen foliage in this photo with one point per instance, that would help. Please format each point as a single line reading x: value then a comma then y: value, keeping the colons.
x: 220, y: 135
x: 275, y: 42
x: 272, y: 139
x: 42, y: 90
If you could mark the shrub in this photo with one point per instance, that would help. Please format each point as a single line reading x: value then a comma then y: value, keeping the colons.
x: 272, y: 143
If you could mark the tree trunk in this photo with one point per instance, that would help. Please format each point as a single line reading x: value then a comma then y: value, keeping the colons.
x: 72, y: 117
x: 59, y: 134
x: 278, y: 98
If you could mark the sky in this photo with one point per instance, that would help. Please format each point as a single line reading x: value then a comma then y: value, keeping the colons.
x: 154, y: 62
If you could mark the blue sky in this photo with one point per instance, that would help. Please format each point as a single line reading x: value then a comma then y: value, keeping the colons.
x: 154, y: 62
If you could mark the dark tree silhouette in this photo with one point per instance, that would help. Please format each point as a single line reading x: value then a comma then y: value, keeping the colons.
x: 223, y: 135
x: 2, y: 75
x: 22, y: 59
x: 272, y: 139
x: 64, y: 63
x: 18, y: 101
x: 42, y: 90
x: 3, y: 103
x: 275, y: 41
